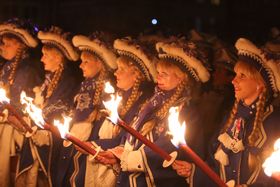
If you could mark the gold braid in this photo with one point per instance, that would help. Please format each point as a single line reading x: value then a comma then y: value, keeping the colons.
x: 54, y: 82
x: 100, y: 83
x: 130, y: 101
x: 161, y: 113
x: 19, y: 56
x: 257, y: 122
x: 253, y: 137
x: 232, y: 114
x: 132, y: 98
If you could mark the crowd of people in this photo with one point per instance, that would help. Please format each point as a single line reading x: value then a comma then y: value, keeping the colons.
x: 226, y: 94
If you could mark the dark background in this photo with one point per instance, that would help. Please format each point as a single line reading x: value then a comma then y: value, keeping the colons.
x: 228, y: 19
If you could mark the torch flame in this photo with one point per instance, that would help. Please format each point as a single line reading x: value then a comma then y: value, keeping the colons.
x: 272, y: 163
x: 63, y: 128
x: 3, y: 96
x: 112, y: 106
x: 109, y: 88
x: 33, y: 111
x: 175, y: 128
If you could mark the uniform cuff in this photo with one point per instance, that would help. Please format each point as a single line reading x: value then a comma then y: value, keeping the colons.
x: 132, y: 161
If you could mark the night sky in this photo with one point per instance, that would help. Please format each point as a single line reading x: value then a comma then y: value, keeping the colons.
x: 228, y: 19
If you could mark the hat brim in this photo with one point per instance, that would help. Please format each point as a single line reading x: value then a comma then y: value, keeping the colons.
x: 107, y: 56
x: 22, y: 34
x: 62, y: 44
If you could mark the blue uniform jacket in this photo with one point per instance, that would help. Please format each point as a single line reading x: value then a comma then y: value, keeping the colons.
x: 58, y: 103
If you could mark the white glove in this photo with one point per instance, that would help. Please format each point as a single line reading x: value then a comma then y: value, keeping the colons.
x: 4, y: 116
x: 132, y: 161
x: 39, y: 99
x: 41, y: 137
x: 81, y: 130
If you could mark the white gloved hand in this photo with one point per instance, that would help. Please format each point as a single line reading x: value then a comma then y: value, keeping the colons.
x: 4, y: 116
x: 39, y: 99
x: 81, y: 130
x: 132, y: 161
x: 41, y: 137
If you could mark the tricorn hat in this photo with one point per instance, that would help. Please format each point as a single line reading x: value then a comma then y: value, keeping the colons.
x: 139, y: 55
x: 61, y: 40
x: 102, y: 49
x: 268, y: 67
x: 186, y: 56
x: 22, y: 29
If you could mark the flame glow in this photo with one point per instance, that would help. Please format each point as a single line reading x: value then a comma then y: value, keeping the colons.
x: 109, y: 88
x: 272, y: 163
x: 112, y: 106
x: 175, y: 128
x: 63, y: 127
x: 33, y: 111
x: 3, y: 96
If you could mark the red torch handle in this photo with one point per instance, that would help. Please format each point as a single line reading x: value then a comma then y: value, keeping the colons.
x: 203, y: 166
x: 144, y: 140
x: 81, y: 144
x: 71, y: 138
x: 12, y: 110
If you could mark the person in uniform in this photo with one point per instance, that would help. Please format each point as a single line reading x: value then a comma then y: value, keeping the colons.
x: 248, y: 134
x: 54, y: 97
x: 19, y: 73
x: 98, y: 63
x: 178, y: 69
x: 134, y: 82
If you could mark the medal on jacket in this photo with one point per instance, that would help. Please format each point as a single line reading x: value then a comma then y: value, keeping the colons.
x: 236, y: 144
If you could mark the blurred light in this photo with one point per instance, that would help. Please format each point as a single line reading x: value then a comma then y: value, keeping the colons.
x: 154, y: 21
x: 216, y: 2
x: 36, y: 29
